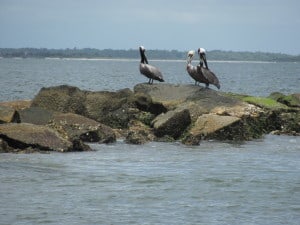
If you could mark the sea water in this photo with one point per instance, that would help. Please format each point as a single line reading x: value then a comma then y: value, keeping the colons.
x: 254, y: 182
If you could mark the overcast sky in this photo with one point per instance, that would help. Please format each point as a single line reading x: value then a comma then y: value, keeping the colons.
x: 237, y: 25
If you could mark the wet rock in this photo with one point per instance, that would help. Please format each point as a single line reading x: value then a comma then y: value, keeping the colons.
x: 172, y: 123
x: 139, y: 133
x: 73, y: 126
x: 4, y: 147
x: 24, y: 135
x: 292, y: 100
x: 208, y: 126
x: 289, y: 123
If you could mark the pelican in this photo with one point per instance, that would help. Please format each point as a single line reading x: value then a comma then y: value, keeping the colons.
x: 149, y: 71
x: 193, y: 71
x: 209, y: 75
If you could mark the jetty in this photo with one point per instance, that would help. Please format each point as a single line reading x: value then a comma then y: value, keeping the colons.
x: 65, y: 118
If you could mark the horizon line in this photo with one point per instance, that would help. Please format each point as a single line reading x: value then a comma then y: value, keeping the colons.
x: 136, y: 49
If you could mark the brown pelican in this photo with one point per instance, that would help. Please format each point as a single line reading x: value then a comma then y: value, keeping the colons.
x: 193, y: 71
x: 210, y: 76
x: 149, y: 71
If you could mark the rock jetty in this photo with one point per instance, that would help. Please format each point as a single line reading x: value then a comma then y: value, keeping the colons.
x: 65, y: 118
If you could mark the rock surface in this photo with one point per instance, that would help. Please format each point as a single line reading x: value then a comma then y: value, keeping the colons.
x: 8, y: 115
x: 173, y: 123
x: 208, y: 126
x: 74, y: 126
x: 17, y: 105
x: 24, y: 135
x: 71, y: 126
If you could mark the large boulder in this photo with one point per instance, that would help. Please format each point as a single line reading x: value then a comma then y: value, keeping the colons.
x: 173, y: 123
x: 71, y: 126
x: 24, y: 135
x: 62, y: 98
x: 36, y: 115
x: 114, y: 109
x: 211, y: 125
x: 172, y: 95
x: 74, y: 126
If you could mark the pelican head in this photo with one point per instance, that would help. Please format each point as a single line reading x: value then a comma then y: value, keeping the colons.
x: 191, y: 54
x: 201, y: 51
x: 142, y: 48
x: 202, y: 55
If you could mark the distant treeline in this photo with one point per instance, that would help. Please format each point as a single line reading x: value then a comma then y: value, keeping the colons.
x: 134, y: 54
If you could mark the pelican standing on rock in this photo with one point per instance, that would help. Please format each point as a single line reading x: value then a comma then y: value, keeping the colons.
x: 193, y: 71
x: 209, y: 75
x: 147, y: 70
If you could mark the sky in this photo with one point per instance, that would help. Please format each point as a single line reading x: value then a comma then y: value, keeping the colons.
x: 231, y: 25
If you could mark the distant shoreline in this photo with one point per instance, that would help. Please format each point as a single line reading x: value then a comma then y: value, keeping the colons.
x: 137, y: 60
x: 133, y: 54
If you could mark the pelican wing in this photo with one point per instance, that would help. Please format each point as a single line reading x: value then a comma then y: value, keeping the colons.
x: 211, y: 77
x: 151, y: 72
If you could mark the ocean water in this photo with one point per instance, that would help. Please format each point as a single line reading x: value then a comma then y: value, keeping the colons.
x: 23, y: 78
x: 255, y: 182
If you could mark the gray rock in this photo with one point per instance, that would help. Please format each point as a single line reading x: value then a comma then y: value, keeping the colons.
x: 208, y: 126
x: 36, y: 115
x: 172, y: 123
x: 62, y: 98
x: 73, y: 126
x: 24, y: 135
